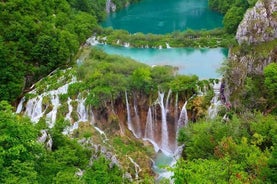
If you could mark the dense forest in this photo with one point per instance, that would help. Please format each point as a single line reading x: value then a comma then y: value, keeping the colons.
x: 39, y: 40
x: 38, y: 37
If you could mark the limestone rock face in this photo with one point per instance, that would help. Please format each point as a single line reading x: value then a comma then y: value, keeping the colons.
x: 257, y: 48
x: 259, y: 23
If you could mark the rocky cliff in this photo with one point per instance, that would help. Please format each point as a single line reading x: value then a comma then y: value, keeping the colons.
x: 257, y: 47
x: 259, y: 23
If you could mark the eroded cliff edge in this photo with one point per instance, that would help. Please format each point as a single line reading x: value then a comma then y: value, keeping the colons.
x: 257, y: 47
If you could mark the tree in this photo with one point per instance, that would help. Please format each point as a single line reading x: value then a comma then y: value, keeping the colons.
x: 270, y: 73
x: 232, y: 19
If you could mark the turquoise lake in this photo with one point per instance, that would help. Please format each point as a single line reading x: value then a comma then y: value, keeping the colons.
x: 164, y: 16
x: 201, y: 62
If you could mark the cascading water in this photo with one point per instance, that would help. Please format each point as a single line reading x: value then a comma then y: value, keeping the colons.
x: 137, y: 167
x: 149, y: 129
x: 81, y: 110
x: 215, y: 102
x: 20, y: 105
x: 52, y: 115
x: 137, y: 119
x: 183, y: 119
x: 70, y: 109
x: 34, y: 108
x: 129, y: 120
x: 164, y: 137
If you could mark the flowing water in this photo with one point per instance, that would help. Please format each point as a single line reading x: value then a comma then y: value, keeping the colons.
x: 163, y: 16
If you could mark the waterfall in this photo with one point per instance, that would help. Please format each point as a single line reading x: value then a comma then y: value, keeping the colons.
x: 129, y: 120
x: 126, y: 44
x: 70, y: 109
x: 81, y: 110
x: 110, y: 6
x: 164, y: 142
x: 49, y: 143
x: 215, y: 102
x: 52, y: 115
x: 137, y: 167
x: 34, y: 108
x: 137, y: 119
x: 167, y: 45
x: 149, y: 129
x: 101, y: 132
x: 20, y: 105
x: 183, y: 119
x: 43, y: 136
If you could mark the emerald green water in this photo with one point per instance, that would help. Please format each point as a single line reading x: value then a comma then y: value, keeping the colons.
x: 165, y: 16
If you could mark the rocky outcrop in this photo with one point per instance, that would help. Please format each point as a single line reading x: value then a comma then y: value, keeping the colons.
x: 259, y: 23
x: 257, y: 48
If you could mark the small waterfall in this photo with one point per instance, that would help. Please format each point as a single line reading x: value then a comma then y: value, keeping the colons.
x: 101, y: 132
x: 137, y: 119
x: 160, y: 47
x: 129, y: 120
x: 176, y: 109
x: 43, y: 136
x: 126, y: 44
x: 164, y: 142
x: 183, y: 119
x: 42, y: 139
x: 167, y: 45
x: 70, y: 109
x: 81, y: 110
x: 199, y: 91
x: 149, y: 129
x: 49, y: 143
x: 92, y: 41
x: 20, y: 105
x: 215, y: 102
x: 137, y: 167
x: 52, y: 115
x: 34, y: 108
x: 110, y: 6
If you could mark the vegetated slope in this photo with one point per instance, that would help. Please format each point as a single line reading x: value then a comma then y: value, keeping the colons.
x: 36, y: 37
x: 241, y: 146
x: 88, y: 103
x: 248, y: 71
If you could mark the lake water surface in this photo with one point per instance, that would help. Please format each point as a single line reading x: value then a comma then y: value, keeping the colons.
x: 165, y: 16
x: 201, y: 62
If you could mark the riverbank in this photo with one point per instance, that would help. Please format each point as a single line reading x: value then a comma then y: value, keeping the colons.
x: 190, y: 38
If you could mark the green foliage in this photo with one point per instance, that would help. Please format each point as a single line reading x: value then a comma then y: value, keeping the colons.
x: 183, y: 83
x: 237, y: 151
x: 232, y: 19
x: 270, y: 73
x: 189, y: 38
x: 19, y: 150
x: 105, y: 78
x: 101, y: 172
x: 44, y: 36
x: 233, y: 11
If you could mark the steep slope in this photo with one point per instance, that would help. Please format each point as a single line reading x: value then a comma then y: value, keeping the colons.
x: 257, y: 48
